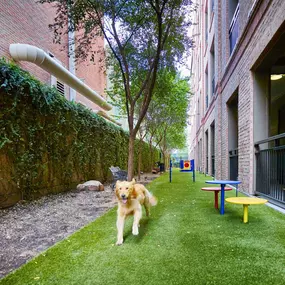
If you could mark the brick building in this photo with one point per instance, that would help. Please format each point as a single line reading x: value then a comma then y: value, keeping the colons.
x: 26, y: 22
x: 238, y: 79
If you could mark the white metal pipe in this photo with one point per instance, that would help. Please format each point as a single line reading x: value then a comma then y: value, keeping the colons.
x: 106, y: 116
x: 24, y: 52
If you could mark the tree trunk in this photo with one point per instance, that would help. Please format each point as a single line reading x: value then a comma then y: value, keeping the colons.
x: 131, y: 157
x: 164, y: 159
x: 139, y: 159
x: 166, y: 162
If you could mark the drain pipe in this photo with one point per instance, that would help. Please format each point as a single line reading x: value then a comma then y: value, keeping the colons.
x: 24, y: 52
x: 71, y: 61
x: 71, y: 55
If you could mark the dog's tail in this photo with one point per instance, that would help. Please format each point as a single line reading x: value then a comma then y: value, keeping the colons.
x: 152, y: 199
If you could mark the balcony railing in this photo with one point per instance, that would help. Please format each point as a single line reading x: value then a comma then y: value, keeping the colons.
x: 233, y: 32
x: 270, y: 169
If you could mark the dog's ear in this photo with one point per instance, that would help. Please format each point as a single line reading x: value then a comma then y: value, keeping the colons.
x: 134, y: 192
x: 133, y: 181
x: 117, y: 184
x: 117, y: 187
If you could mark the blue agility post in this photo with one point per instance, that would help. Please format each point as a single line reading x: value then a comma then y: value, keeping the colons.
x: 181, y: 164
x: 193, y: 169
x: 170, y: 171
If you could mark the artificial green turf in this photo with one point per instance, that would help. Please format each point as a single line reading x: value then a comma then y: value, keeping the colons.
x: 186, y: 241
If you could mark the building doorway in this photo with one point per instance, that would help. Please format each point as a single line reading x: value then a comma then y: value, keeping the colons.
x: 207, y: 152
x: 212, y: 148
x: 269, y: 123
x: 232, y: 106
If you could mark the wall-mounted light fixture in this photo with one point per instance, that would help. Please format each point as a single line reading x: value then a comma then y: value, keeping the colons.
x: 275, y: 76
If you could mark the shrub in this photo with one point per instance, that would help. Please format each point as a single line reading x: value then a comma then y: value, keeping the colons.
x: 49, y: 144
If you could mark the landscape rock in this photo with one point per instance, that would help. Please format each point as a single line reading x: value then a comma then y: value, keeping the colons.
x: 92, y: 185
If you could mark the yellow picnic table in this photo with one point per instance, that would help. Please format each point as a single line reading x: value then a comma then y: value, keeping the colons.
x: 246, y: 201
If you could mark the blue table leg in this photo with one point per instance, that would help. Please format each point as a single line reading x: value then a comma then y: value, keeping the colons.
x: 222, y: 210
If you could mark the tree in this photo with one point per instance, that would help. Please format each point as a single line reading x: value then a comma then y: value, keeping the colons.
x: 165, y: 120
x: 166, y: 117
x: 142, y: 35
x: 171, y: 138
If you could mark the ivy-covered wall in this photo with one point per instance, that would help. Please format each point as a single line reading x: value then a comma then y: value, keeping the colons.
x: 48, y: 144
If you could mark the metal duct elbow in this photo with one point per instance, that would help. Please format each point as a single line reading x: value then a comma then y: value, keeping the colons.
x: 25, y: 52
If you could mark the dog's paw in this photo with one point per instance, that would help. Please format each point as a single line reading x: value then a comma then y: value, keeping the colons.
x: 119, y: 242
x: 135, y: 231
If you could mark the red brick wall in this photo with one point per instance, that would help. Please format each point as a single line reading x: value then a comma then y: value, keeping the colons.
x: 238, y: 74
x: 234, y: 72
x: 93, y: 74
x: 27, y: 22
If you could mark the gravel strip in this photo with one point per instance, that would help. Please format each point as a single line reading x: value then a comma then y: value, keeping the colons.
x: 28, y: 229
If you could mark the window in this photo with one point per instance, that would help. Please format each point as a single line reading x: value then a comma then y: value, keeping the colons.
x: 206, y: 88
x: 198, y: 114
x: 213, y: 6
x: 212, y: 63
x: 234, y: 23
x: 206, y: 26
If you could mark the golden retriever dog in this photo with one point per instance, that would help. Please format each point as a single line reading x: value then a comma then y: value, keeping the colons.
x: 131, y: 197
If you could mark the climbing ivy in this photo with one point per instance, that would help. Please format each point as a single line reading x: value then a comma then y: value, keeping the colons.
x: 49, y: 144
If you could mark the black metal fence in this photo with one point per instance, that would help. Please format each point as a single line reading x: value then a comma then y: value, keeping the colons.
x: 233, y: 156
x: 270, y: 169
